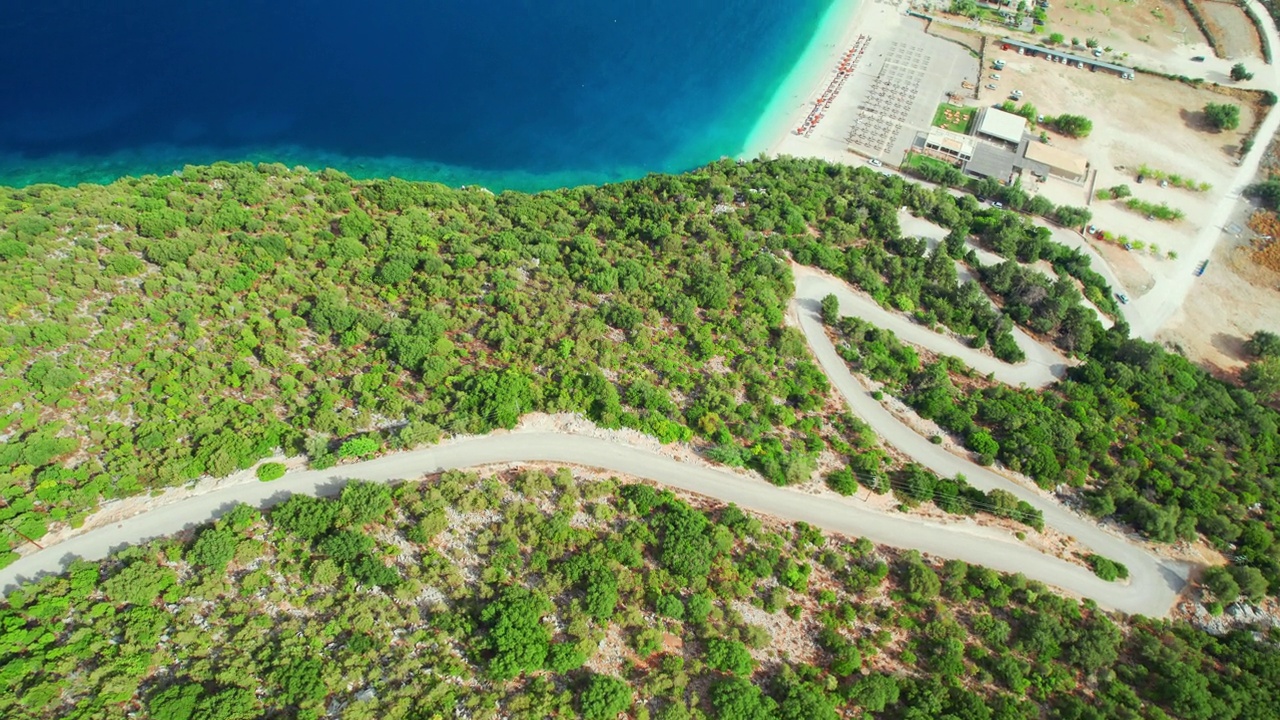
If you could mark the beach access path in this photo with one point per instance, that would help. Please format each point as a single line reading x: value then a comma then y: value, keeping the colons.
x: 1151, y: 590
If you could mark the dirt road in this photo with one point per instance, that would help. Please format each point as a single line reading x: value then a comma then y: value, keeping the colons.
x: 1151, y: 312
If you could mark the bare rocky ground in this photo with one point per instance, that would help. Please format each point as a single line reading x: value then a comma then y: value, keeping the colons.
x: 1237, y: 616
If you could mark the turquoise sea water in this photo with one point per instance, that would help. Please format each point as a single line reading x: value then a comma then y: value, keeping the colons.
x: 506, y: 93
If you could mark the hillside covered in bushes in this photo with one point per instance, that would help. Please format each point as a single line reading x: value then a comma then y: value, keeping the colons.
x: 540, y: 594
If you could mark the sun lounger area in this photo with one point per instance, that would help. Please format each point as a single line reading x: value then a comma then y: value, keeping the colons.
x: 844, y: 70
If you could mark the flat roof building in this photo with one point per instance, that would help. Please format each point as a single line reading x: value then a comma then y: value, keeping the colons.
x: 949, y: 146
x: 992, y: 161
x: 1062, y: 163
x: 1001, y: 125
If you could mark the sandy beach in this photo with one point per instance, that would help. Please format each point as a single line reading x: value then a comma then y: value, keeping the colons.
x: 884, y: 94
x: 844, y: 22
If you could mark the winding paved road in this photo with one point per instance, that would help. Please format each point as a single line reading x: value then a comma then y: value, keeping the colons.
x: 1151, y: 591
x: 1154, y: 583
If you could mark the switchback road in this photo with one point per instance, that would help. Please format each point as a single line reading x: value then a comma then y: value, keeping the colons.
x: 1151, y: 590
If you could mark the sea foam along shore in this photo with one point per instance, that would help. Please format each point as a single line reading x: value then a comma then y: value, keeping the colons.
x: 846, y: 19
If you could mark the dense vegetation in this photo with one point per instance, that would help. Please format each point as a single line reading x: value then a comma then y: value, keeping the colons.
x: 160, y: 329
x: 1157, y: 442
x: 535, y: 595
x: 164, y: 328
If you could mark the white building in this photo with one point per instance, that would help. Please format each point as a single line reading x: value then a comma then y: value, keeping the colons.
x: 1000, y: 125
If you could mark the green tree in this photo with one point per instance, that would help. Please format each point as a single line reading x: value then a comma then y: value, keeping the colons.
x: 369, y: 570
x: 1262, y: 376
x: 1076, y: 126
x: 737, y: 698
x: 604, y: 698
x: 830, y: 309
x: 1239, y: 72
x: 1253, y: 584
x: 729, y: 656
x: 1263, y: 344
x: 919, y: 580
x: 300, y: 681
x: 176, y: 702
x: 516, y: 638
x: 1056, y: 38
x: 802, y: 701
x: 1267, y: 191
x: 213, y: 549
x: 305, y: 516
x: 564, y: 657
x: 686, y: 550
x: 1072, y: 216
x: 981, y: 442
x: 363, y: 502
x: 497, y: 399
x: 874, y: 693
x: 1219, y: 581
x: 346, y: 545
x: 139, y: 583
x: 602, y: 594
x: 230, y: 704
x: 1222, y: 116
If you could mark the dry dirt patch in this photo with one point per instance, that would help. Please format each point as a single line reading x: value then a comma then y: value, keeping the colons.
x: 1233, y: 299
x: 1161, y: 24
x: 1235, y: 32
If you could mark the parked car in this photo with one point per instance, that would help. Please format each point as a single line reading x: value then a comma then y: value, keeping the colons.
x: 1039, y: 118
x: 997, y: 204
x: 1097, y: 53
x: 1124, y: 299
x: 875, y: 162
x: 1091, y: 229
x: 990, y: 86
x: 995, y: 76
x: 1198, y: 58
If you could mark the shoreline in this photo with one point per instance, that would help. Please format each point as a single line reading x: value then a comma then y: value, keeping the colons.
x: 836, y: 32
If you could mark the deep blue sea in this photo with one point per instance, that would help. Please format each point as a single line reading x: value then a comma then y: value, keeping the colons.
x: 517, y: 94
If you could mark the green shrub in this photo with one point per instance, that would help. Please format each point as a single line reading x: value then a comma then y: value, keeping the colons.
x: 270, y: 471
x: 1106, y: 568
x: 843, y: 481
x: 359, y: 447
